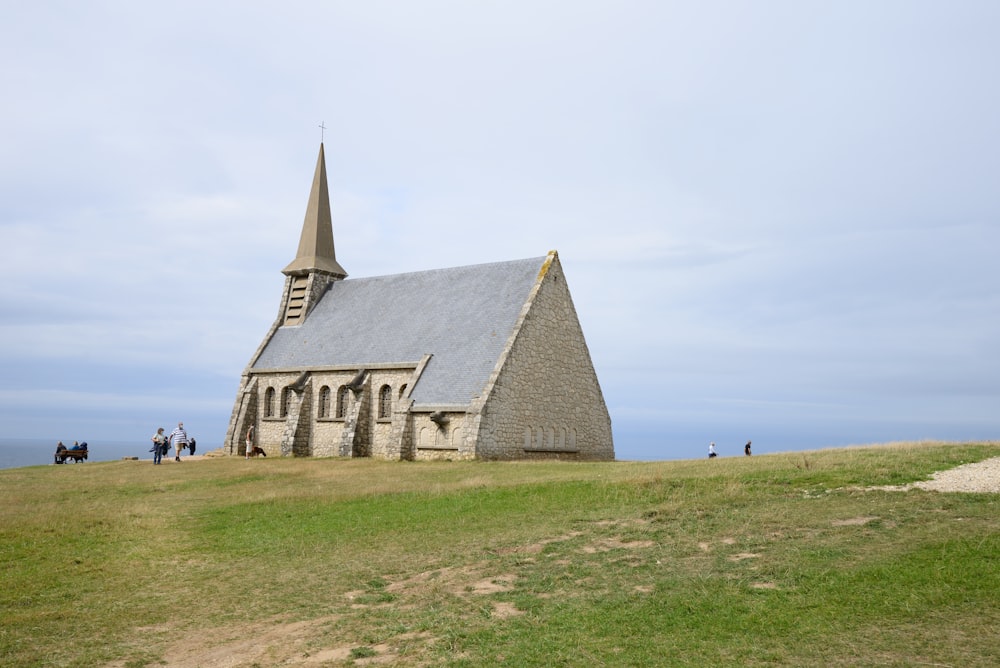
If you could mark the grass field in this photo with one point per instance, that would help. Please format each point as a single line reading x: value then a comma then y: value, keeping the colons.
x: 769, y: 560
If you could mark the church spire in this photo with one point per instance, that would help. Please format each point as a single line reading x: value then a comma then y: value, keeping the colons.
x: 316, y: 253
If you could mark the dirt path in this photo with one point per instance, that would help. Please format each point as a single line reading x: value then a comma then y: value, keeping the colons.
x: 979, y: 477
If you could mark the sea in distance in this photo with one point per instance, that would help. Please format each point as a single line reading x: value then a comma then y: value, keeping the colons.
x: 18, y: 452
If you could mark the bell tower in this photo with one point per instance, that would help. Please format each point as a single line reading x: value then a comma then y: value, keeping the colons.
x: 315, y: 265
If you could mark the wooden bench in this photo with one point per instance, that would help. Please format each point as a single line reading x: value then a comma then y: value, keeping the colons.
x: 63, y: 456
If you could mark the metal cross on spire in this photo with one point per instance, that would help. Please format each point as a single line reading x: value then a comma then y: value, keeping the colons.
x: 322, y: 131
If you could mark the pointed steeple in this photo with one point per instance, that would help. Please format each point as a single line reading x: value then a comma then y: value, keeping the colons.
x: 316, y: 253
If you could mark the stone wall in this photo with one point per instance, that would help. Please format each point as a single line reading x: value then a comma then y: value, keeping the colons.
x: 544, y: 400
x: 388, y: 440
x: 244, y: 415
x: 359, y: 433
x: 448, y: 441
x: 271, y: 430
x: 297, y: 434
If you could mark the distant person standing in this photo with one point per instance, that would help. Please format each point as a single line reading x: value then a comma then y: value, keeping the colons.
x: 711, y: 451
x: 746, y: 449
x: 249, y: 450
x: 159, y: 445
x: 179, y: 439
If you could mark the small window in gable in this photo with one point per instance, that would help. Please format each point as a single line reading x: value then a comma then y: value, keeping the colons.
x: 324, y: 401
x: 342, y: 401
x: 385, y: 402
x: 269, y: 402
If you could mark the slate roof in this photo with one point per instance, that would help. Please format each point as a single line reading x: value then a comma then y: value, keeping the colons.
x: 463, y: 316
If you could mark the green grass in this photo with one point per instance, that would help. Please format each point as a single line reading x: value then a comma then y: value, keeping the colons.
x: 770, y: 560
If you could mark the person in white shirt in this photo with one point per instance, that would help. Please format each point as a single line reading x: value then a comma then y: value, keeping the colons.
x: 159, y: 445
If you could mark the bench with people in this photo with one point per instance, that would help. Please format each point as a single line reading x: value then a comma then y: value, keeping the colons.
x: 76, y: 453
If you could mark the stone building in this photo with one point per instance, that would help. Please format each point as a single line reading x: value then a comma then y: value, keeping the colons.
x: 477, y: 362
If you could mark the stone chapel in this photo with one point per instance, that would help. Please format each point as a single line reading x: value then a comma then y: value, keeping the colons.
x: 475, y: 362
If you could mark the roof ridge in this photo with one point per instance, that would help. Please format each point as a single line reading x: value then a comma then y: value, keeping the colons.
x: 538, y: 259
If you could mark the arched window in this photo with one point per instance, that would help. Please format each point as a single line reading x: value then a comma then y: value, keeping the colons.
x: 285, y: 400
x: 402, y: 389
x: 342, y: 401
x: 269, y: 402
x: 324, y: 401
x: 385, y: 402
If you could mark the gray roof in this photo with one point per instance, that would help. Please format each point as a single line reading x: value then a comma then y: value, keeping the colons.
x: 463, y: 316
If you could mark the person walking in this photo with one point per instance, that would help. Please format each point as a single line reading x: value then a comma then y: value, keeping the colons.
x: 179, y: 439
x: 711, y: 451
x: 746, y: 449
x: 159, y: 445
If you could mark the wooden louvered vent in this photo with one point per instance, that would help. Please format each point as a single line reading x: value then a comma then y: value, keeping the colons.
x: 296, y: 301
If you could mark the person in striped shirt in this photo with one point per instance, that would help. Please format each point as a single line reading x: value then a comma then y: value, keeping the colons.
x: 179, y: 438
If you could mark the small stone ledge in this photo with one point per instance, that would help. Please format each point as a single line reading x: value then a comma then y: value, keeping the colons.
x: 555, y: 451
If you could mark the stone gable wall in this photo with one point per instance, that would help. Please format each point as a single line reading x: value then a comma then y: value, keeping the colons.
x: 545, y: 400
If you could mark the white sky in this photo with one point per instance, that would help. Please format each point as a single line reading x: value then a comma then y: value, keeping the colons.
x: 779, y: 220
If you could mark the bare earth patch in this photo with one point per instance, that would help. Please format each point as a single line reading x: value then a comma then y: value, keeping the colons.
x: 503, y: 610
x: 493, y: 585
x: 273, y: 642
x: 536, y: 548
x: 854, y: 521
x: 609, y: 544
x: 466, y: 580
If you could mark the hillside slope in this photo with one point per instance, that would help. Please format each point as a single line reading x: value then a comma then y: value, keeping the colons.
x: 803, y: 559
